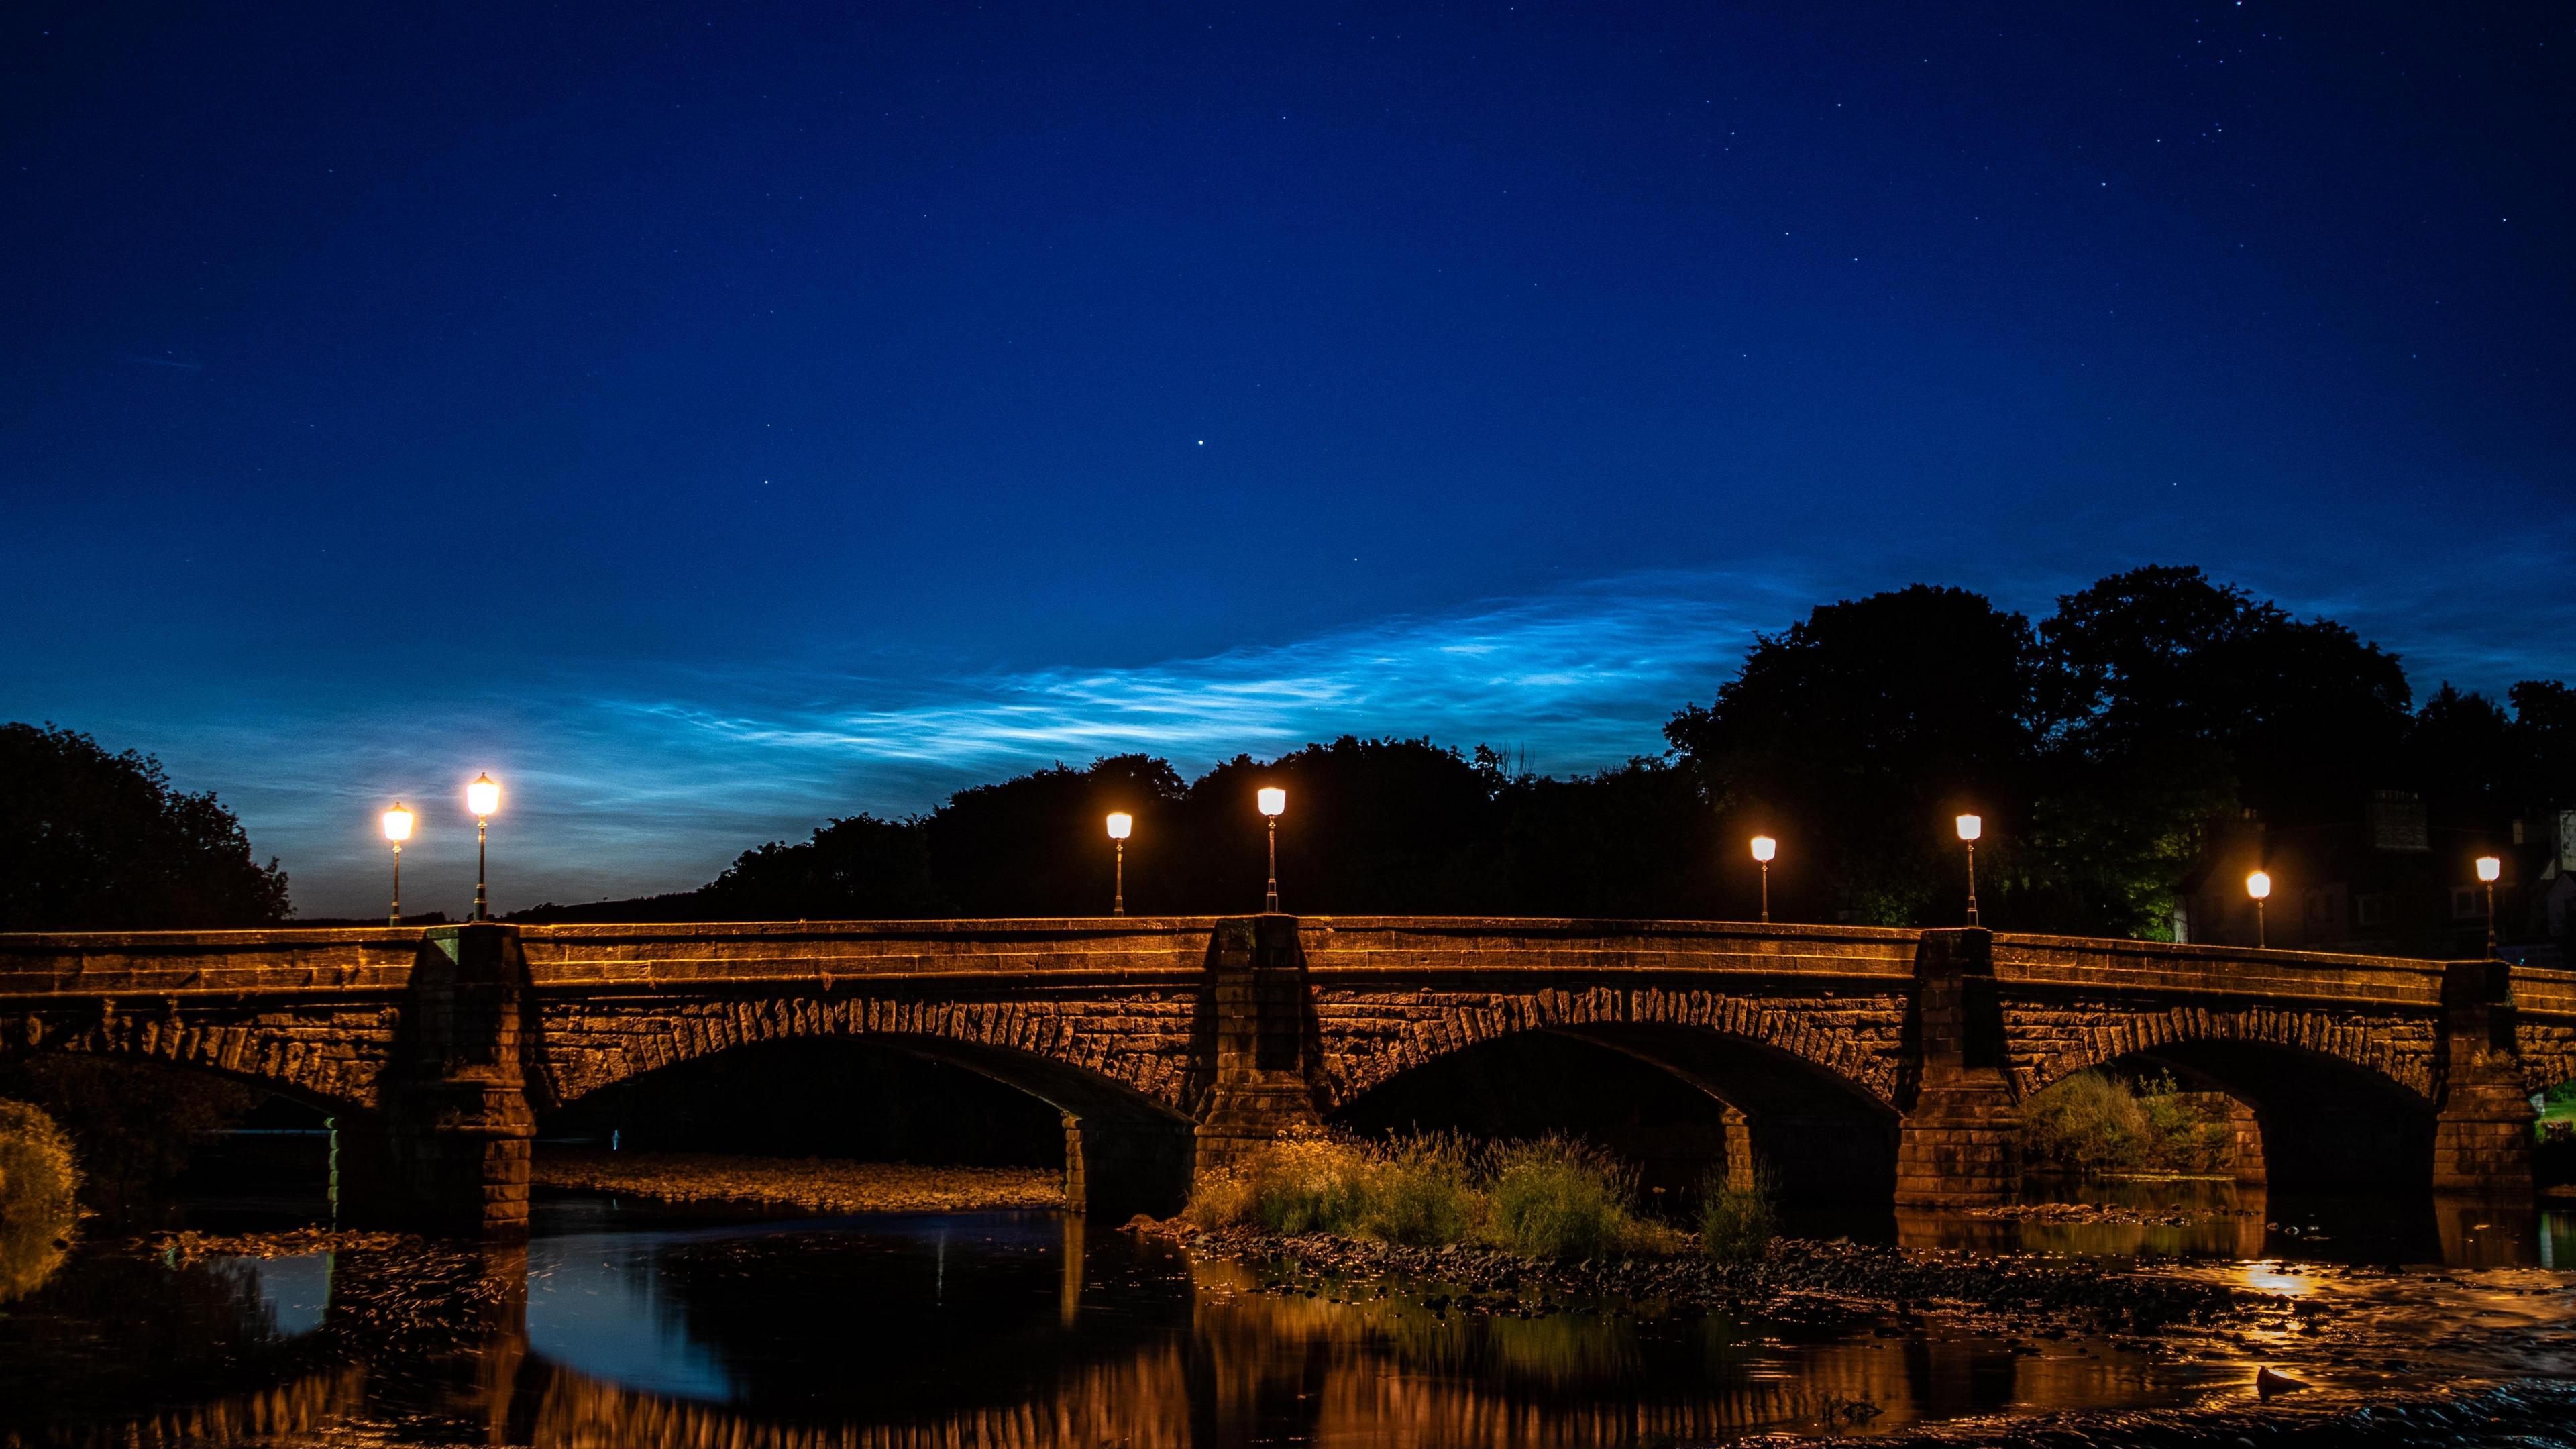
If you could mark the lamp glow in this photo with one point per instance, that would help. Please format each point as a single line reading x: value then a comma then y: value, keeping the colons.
x: 1765, y: 848
x: 2259, y: 886
x: 1121, y: 825
x: 397, y: 830
x: 482, y: 797
x: 1274, y: 803
x: 1970, y: 827
x: 2490, y: 870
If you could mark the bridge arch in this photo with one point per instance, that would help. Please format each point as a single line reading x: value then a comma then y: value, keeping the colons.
x: 1824, y: 1138
x: 2320, y: 1122
x: 2382, y: 1051
x: 282, y: 1055
x: 1848, y: 1042
x: 1127, y: 1146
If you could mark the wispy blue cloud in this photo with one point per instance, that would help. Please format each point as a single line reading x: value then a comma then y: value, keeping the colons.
x: 627, y: 779
x: 624, y: 781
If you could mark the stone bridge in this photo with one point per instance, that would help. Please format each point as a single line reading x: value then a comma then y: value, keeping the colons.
x: 1862, y: 1063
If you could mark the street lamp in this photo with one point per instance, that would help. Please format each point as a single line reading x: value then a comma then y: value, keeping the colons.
x: 1274, y: 803
x: 2489, y: 868
x: 1764, y: 847
x: 1970, y: 827
x: 482, y: 797
x: 1121, y: 825
x: 397, y: 830
x: 2259, y: 886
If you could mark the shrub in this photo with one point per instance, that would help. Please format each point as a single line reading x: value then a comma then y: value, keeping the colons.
x: 1558, y: 1198
x: 2182, y: 1133
x: 1422, y: 1193
x: 39, y: 1180
x: 1737, y: 1221
x: 1551, y: 1198
x: 2087, y: 1123
x: 1297, y: 1185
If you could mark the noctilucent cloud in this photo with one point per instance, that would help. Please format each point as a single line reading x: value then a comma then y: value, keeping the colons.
x: 715, y: 420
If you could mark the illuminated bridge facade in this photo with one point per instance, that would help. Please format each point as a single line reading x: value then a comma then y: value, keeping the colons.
x: 1870, y: 1064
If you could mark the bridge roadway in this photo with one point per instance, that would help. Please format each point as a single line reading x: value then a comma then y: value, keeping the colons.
x: 1861, y: 1063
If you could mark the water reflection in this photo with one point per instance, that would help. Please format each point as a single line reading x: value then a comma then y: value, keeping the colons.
x: 618, y: 1328
x: 2171, y: 1218
x: 636, y: 1327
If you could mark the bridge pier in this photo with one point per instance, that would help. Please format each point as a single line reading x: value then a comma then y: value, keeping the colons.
x: 2482, y: 1128
x: 1260, y: 1088
x: 1114, y: 1169
x: 449, y: 1153
x: 1955, y: 1146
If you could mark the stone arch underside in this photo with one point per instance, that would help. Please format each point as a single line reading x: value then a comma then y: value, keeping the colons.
x: 1369, y: 1038
x: 1109, y: 1058
x: 2546, y: 1054
x: 2048, y: 1042
x: 2329, y: 1115
x: 329, y: 1057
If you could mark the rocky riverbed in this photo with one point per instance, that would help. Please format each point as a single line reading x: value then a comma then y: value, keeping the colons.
x: 1797, y: 1279
x: 815, y: 1184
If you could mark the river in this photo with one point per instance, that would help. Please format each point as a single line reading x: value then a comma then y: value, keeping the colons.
x: 622, y: 1323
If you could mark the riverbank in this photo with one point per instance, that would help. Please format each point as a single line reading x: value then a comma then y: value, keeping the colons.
x: 2014, y: 1295
x: 2523, y: 1414
x: 815, y: 1184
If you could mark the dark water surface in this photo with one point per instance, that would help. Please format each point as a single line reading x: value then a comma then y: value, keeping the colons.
x: 619, y: 1324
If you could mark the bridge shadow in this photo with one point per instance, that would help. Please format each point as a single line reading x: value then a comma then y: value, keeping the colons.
x: 1684, y: 1106
x: 901, y: 1098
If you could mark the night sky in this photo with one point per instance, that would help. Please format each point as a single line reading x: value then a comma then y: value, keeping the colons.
x: 714, y: 419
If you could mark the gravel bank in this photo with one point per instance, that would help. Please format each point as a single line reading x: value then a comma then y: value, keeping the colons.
x: 819, y: 1184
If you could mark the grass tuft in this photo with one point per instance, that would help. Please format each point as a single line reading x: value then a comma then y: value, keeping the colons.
x: 1737, y: 1222
x: 1552, y: 1198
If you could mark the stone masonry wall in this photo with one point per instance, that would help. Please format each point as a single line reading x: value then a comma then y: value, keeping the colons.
x: 1369, y: 1036
x: 1139, y: 1039
x: 2053, y: 1037
x: 328, y: 1052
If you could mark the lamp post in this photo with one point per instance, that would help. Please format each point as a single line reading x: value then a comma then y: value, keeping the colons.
x: 482, y: 797
x: 1970, y: 827
x: 1121, y: 825
x: 2259, y: 886
x: 397, y: 830
x: 1274, y: 803
x: 2489, y: 868
x: 1764, y: 847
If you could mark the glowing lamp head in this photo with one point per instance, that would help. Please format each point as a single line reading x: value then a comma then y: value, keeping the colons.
x: 1764, y: 848
x: 2490, y: 869
x: 2259, y: 886
x: 1971, y: 826
x: 1121, y: 825
x: 398, y: 824
x: 482, y: 797
x: 1274, y: 801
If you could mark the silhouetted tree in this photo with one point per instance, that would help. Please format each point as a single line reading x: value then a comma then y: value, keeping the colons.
x: 1038, y: 845
x: 1859, y: 731
x: 1373, y: 826
x: 860, y: 868
x: 2544, y: 717
x: 2100, y: 746
x: 100, y: 842
x: 1634, y: 841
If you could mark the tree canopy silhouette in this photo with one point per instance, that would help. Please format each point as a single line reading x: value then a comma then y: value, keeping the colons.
x: 2103, y: 745
x: 99, y: 842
